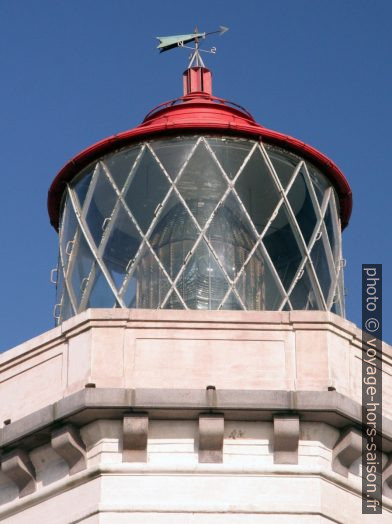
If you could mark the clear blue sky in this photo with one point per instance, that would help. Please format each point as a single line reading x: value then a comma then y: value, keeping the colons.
x: 75, y: 71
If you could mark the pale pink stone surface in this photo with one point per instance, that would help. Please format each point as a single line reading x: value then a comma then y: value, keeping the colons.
x: 116, y: 348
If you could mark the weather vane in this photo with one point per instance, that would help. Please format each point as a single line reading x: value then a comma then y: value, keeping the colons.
x: 195, y: 59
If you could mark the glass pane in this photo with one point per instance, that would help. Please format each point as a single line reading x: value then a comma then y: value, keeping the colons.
x: 320, y: 182
x: 82, y: 184
x: 330, y: 221
x: 341, y: 292
x: 230, y: 152
x: 202, y: 284
x: 302, y: 206
x: 129, y: 296
x: 320, y: 264
x: 173, y: 301
x: 202, y: 184
x: 67, y: 232
x: 101, y: 206
x: 282, y: 247
x: 336, y: 308
x: 174, y: 235
x: 149, y: 285
x: 257, y: 190
x: 283, y: 162
x: 256, y: 285
x: 100, y: 295
x: 66, y: 311
x: 120, y: 164
x: 232, y: 303
x: 148, y: 188
x: 122, y: 246
x: 231, y: 236
x: 336, y: 302
x: 173, y: 153
x: 60, y: 281
x: 338, y: 299
x: 83, y: 264
x: 302, y: 296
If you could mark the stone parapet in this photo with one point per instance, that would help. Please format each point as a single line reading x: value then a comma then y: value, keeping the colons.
x: 146, y: 349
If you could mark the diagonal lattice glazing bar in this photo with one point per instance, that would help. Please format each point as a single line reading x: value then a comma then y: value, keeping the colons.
x: 200, y: 222
x: 201, y: 230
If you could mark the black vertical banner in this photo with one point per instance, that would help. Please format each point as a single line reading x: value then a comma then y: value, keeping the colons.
x: 372, y: 388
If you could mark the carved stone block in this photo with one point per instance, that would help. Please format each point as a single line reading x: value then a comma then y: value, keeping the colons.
x: 347, y: 450
x: 286, y: 438
x: 67, y: 443
x: 135, y: 435
x: 211, y: 429
x: 17, y: 466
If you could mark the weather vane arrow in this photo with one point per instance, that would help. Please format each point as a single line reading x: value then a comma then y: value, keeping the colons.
x: 170, y: 42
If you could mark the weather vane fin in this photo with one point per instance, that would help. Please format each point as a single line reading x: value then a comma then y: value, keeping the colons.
x: 170, y: 42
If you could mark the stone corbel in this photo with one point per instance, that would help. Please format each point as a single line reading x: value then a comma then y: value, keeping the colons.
x: 17, y: 466
x: 346, y: 451
x: 387, y: 479
x: 286, y: 439
x: 135, y: 436
x: 211, y: 429
x: 67, y: 443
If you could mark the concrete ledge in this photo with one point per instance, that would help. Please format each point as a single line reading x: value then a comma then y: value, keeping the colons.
x: 91, y: 404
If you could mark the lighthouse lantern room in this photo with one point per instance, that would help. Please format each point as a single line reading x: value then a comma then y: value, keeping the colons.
x: 200, y: 207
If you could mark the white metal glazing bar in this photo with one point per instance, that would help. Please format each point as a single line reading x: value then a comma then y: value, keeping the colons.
x: 202, y: 231
x: 108, y: 229
x: 133, y: 265
x: 260, y: 237
x: 76, y: 239
x: 297, y: 232
x: 87, y: 235
x: 324, y: 238
x: 65, y: 268
x: 312, y: 240
x: 67, y: 275
x: 265, y: 253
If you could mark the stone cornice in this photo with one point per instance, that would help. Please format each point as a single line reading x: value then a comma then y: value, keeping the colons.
x: 91, y: 404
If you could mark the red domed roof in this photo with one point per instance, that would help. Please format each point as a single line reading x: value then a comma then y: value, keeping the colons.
x: 198, y: 111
